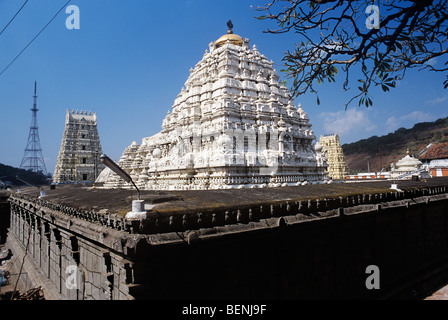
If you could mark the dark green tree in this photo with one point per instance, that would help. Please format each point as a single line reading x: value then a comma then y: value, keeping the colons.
x: 378, y: 40
x: 16, y: 176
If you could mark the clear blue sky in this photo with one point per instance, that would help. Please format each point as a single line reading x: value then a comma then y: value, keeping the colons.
x: 130, y: 59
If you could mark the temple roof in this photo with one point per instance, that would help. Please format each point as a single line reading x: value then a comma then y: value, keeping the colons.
x: 230, y: 36
x: 233, y: 38
x: 407, y: 161
x: 438, y: 151
x: 175, y: 202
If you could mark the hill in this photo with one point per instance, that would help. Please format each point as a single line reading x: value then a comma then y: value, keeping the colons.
x: 8, y: 176
x: 376, y: 152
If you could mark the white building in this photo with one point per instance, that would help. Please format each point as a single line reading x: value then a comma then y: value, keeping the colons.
x: 407, y: 168
x: 435, y: 156
x: 233, y: 125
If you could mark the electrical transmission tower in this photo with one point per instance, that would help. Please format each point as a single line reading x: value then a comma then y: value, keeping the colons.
x: 33, y: 159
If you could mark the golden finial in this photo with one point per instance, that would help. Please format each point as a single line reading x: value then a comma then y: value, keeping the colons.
x: 232, y: 38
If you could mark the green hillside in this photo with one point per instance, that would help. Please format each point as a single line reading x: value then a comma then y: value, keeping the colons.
x: 8, y: 175
x: 378, y: 152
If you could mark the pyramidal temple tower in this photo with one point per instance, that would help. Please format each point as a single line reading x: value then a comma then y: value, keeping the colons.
x: 233, y: 125
x: 78, y: 159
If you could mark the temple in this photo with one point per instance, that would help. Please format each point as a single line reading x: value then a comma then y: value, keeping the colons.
x: 233, y: 125
x: 80, y: 149
x: 331, y: 146
x: 408, y: 167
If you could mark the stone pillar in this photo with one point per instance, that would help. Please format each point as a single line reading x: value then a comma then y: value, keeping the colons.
x: 55, y: 258
x: 46, y: 249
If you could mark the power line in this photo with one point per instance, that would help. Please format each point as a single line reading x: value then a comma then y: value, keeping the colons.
x: 29, y: 43
x: 14, y: 17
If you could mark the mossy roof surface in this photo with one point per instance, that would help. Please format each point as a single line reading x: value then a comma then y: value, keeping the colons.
x: 83, y: 196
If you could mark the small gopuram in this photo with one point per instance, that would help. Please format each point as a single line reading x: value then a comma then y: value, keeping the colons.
x: 331, y: 146
x: 233, y: 125
x: 408, y: 167
x: 78, y: 159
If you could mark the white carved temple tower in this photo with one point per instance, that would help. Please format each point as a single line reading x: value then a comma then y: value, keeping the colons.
x: 233, y: 125
x: 78, y: 159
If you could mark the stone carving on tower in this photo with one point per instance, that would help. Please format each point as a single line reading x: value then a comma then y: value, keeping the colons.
x: 78, y: 159
x: 331, y: 147
x: 232, y: 125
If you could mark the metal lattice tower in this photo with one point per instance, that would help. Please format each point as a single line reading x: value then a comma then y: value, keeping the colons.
x: 33, y: 159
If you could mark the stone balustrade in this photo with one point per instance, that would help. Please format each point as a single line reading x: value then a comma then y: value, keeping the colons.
x: 107, y: 220
x: 208, y: 218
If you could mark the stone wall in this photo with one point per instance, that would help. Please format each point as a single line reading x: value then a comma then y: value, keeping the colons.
x: 69, y: 258
x: 4, y: 215
x: 314, y: 249
x: 315, y: 255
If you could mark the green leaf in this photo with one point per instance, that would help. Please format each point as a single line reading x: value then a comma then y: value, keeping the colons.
x: 420, y: 46
x: 391, y: 84
x: 335, y: 70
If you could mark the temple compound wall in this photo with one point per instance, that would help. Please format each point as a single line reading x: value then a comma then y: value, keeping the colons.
x: 311, y: 249
x: 69, y: 258
x: 4, y: 215
x: 78, y: 159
